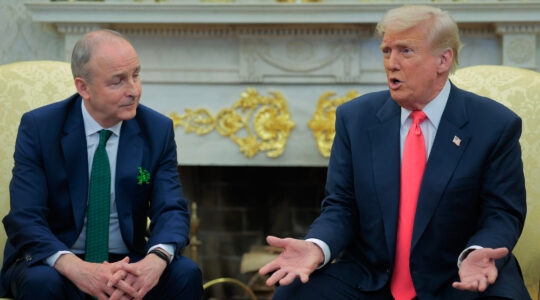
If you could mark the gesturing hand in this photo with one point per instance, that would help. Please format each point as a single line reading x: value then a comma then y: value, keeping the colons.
x: 478, y: 270
x: 298, y: 259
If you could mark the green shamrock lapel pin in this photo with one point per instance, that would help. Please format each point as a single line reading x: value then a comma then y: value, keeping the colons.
x: 143, y: 177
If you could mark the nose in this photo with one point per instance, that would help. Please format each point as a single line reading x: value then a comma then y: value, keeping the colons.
x: 391, y: 61
x: 133, y: 88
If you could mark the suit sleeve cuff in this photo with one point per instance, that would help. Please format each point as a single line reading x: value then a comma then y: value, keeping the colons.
x: 325, y: 249
x: 466, y: 252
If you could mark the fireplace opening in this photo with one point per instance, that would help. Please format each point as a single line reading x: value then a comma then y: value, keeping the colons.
x: 239, y: 206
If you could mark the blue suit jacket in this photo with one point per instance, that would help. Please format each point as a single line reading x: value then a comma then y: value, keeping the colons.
x: 50, y: 183
x: 472, y: 193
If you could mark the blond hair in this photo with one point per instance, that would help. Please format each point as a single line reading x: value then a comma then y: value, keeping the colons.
x: 442, y: 30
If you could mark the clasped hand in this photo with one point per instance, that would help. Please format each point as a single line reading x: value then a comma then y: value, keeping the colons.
x: 118, y: 280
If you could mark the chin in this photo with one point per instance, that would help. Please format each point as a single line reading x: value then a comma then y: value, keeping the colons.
x: 128, y: 115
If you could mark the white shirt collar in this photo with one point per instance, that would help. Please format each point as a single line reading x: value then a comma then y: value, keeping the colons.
x: 91, y: 126
x: 434, y: 109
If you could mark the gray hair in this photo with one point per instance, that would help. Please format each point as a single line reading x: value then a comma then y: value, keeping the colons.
x: 443, y: 32
x: 82, y: 51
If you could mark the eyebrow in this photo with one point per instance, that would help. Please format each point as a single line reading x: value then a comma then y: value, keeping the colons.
x: 121, y: 74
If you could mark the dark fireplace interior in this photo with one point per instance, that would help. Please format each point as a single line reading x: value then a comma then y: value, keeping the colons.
x: 239, y: 206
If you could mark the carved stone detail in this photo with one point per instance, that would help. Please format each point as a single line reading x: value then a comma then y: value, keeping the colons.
x: 519, y: 44
x: 301, y: 54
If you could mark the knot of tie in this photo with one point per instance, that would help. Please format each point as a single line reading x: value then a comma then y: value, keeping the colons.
x: 418, y: 117
x: 104, y: 136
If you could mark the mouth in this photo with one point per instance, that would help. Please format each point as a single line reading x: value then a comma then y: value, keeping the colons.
x: 394, y: 83
x: 129, y: 104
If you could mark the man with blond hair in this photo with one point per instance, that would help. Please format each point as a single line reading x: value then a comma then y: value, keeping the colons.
x: 425, y: 192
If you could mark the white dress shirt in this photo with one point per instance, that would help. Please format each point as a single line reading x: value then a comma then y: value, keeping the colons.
x: 433, y: 110
x: 116, y: 243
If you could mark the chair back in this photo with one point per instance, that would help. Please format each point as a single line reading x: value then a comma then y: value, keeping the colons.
x: 519, y: 90
x: 24, y: 86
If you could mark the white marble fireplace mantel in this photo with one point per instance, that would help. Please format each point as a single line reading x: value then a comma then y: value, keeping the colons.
x: 197, y: 54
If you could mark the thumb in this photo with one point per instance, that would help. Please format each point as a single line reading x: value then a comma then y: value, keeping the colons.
x: 499, y: 253
x: 275, y: 241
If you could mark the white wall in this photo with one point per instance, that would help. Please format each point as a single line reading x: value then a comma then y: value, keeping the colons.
x: 22, y: 39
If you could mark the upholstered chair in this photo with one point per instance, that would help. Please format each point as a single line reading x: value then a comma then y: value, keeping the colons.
x: 24, y: 86
x: 518, y: 89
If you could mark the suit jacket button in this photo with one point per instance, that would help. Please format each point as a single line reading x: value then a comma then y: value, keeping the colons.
x: 28, y: 257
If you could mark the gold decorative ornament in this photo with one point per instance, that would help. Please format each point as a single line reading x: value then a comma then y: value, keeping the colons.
x: 268, y: 115
x: 199, y: 121
x: 323, y: 122
x: 234, y: 282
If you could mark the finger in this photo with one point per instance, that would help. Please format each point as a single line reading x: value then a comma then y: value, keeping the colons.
x: 268, y: 268
x: 131, y: 268
x: 492, y: 275
x: 275, y: 277
x: 482, y: 285
x: 466, y: 286
x: 120, y: 264
x: 116, y: 295
x: 499, y: 253
x: 116, y: 277
x: 127, y: 289
x: 459, y: 285
x: 304, y: 278
x: 288, y: 279
x: 275, y: 241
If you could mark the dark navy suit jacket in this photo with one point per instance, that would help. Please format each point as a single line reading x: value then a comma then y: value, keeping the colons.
x: 471, y: 194
x: 50, y: 183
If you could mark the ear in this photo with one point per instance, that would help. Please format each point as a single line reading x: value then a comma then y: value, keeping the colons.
x: 82, y: 87
x: 445, y: 61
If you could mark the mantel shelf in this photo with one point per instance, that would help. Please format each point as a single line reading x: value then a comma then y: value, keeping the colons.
x: 265, y: 13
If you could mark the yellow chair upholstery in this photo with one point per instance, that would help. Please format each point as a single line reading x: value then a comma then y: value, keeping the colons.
x: 518, y: 89
x: 24, y: 86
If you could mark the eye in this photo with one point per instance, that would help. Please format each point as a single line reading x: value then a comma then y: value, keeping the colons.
x: 406, y: 51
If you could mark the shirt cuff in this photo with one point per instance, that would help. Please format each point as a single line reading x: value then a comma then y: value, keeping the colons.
x: 51, y: 260
x: 169, y: 248
x: 325, y: 249
x: 466, y: 252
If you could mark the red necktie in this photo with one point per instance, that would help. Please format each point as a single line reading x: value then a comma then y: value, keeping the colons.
x: 413, y: 164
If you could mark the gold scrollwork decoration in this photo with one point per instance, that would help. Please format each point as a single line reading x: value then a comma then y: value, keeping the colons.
x: 199, y: 121
x: 268, y: 115
x: 323, y: 122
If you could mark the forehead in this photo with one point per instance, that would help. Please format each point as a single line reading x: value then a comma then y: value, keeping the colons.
x: 413, y: 36
x: 114, y: 56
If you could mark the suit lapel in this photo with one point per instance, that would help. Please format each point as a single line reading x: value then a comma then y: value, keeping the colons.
x: 386, y: 166
x: 443, y: 159
x: 76, y: 161
x: 129, y: 158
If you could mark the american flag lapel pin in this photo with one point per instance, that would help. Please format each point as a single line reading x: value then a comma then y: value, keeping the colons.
x: 456, y: 140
